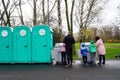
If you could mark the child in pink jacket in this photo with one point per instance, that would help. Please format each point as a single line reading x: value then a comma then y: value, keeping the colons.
x: 63, y: 53
x: 101, y: 50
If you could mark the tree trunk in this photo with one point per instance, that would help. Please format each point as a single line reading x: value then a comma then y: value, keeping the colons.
x: 67, y: 16
x: 6, y: 12
x: 21, y: 15
x: 69, y: 21
x: 34, y: 12
x: 59, y: 19
x: 59, y: 15
x: 71, y: 16
x: 43, y: 11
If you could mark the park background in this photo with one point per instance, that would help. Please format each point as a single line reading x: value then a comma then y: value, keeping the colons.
x: 112, y: 50
x: 83, y: 18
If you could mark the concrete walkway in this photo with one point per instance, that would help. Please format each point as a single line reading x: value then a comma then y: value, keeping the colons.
x: 114, y: 64
x: 110, y: 71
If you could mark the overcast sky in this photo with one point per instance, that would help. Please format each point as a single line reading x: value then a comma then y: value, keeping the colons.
x: 108, y: 15
x: 110, y: 12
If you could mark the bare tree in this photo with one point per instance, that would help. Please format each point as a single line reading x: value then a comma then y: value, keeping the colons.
x: 117, y: 19
x: 21, y: 14
x: 59, y: 17
x: 86, y: 11
x: 6, y: 12
x: 34, y: 12
x: 69, y: 18
x: 43, y: 8
x: 1, y: 17
x: 43, y: 11
x: 59, y: 14
x: 50, y: 18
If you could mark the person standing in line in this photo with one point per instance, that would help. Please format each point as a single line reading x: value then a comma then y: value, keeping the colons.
x: 92, y: 50
x: 69, y: 41
x: 84, y: 52
x: 101, y: 50
x: 63, y: 54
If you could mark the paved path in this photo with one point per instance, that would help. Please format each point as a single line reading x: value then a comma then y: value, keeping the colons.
x: 111, y: 71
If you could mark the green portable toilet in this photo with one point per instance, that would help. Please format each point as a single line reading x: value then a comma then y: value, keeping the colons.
x: 21, y: 44
x: 5, y: 44
x: 41, y: 44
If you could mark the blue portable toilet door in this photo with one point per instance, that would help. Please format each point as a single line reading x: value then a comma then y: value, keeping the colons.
x: 41, y: 44
x: 5, y: 45
x: 21, y: 50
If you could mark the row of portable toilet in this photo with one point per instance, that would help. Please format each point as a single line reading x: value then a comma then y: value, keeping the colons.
x: 23, y: 45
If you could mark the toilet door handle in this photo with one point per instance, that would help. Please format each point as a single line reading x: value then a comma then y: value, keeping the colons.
x: 7, y: 46
x: 26, y: 46
x: 45, y: 46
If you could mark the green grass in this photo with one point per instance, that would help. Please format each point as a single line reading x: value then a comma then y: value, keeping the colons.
x: 112, y: 49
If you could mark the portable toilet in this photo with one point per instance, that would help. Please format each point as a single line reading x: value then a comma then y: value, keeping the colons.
x: 51, y: 38
x: 41, y: 44
x: 5, y: 44
x: 21, y: 44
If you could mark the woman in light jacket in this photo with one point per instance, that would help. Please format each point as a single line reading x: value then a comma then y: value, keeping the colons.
x: 101, y: 50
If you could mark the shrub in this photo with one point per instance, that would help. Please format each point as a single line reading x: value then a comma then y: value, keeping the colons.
x: 113, y: 41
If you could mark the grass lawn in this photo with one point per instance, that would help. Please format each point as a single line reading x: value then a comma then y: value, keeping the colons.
x: 112, y: 49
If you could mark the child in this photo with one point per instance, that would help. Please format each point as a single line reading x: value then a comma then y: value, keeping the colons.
x: 92, y: 50
x: 84, y: 52
x: 63, y: 54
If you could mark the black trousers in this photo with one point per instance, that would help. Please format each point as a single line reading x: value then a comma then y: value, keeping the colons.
x: 84, y: 59
x: 63, y: 56
x: 102, y: 59
x: 69, y: 55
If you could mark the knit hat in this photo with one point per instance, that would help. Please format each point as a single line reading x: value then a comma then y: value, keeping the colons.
x: 83, y: 45
x: 92, y: 42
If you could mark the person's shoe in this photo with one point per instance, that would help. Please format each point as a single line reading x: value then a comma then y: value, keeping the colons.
x: 67, y: 65
x: 103, y: 63
x: 93, y: 64
x: 70, y: 65
x: 99, y: 64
